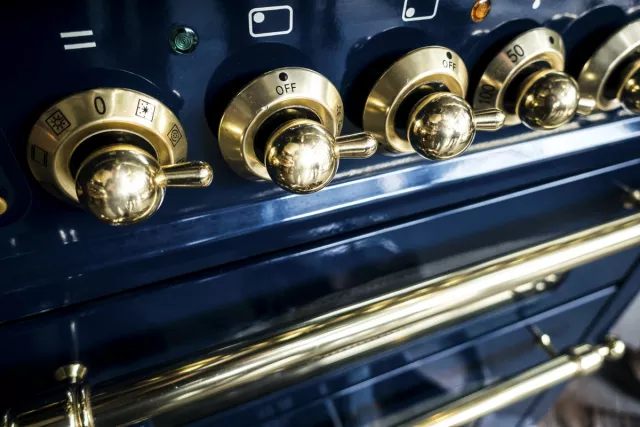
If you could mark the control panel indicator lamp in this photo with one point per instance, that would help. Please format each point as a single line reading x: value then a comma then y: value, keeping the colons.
x: 480, y: 10
x: 183, y: 40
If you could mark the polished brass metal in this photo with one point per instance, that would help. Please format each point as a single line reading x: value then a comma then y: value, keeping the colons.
x: 123, y: 184
x: 582, y: 360
x: 62, y: 128
x: 118, y: 190
x: 441, y: 124
x: 270, y: 93
x: 4, y: 206
x: 614, y: 64
x: 413, y: 72
x: 543, y: 340
x: 302, y: 156
x: 264, y: 364
x: 73, y: 373
x: 75, y: 409
x: 629, y: 91
x: 630, y: 198
x: 547, y: 98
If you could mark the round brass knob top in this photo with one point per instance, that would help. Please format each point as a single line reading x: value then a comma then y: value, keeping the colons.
x: 442, y: 125
x: 123, y: 184
x: 548, y: 99
x: 302, y: 156
x: 629, y: 92
x: 118, y: 185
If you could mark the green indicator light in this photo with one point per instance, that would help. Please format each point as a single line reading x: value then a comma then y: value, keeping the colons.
x: 183, y: 40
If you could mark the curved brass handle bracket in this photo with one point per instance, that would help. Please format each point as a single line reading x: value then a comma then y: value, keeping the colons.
x: 579, y: 361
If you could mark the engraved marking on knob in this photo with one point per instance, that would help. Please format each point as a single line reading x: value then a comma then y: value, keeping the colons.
x: 99, y: 104
x: 487, y: 94
x: 58, y: 122
x: 145, y: 110
x: 515, y: 53
x: 174, y: 135
x: 534, y: 46
x: 286, y: 88
x: 448, y: 63
x: 39, y: 156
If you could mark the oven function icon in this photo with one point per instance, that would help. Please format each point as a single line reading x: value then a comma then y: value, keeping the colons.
x: 270, y: 21
x: 414, y: 10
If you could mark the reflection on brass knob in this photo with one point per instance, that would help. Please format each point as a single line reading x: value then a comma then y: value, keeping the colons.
x: 442, y: 125
x: 302, y: 156
x: 122, y: 184
x: 629, y: 92
x: 547, y: 99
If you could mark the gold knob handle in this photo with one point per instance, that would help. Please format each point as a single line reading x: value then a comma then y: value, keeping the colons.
x: 629, y: 89
x: 548, y: 99
x: 123, y: 184
x: 442, y: 125
x: 302, y: 156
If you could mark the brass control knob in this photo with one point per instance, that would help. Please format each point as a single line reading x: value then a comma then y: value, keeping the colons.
x: 284, y: 126
x: 442, y: 125
x: 526, y: 80
x: 302, y: 156
x: 430, y: 83
x: 610, y: 78
x: 629, y: 88
x: 113, y: 151
x: 123, y: 184
x: 547, y: 99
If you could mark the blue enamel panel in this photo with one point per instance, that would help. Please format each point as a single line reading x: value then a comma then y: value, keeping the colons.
x: 216, y: 264
x: 57, y: 255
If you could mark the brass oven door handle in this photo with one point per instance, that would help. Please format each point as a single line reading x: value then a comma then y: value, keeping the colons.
x: 267, y: 363
x: 579, y: 361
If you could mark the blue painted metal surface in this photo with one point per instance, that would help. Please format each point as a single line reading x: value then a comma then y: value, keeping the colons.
x: 59, y: 255
x: 217, y: 263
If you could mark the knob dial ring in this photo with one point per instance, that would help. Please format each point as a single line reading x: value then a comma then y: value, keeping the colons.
x: 414, y: 70
x: 274, y: 91
x: 596, y: 74
x: 533, y: 46
x: 61, y: 129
